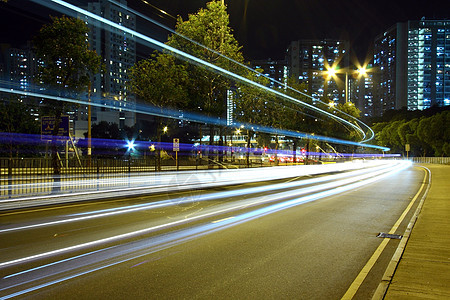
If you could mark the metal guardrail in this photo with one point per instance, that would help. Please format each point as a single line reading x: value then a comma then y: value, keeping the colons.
x: 431, y: 160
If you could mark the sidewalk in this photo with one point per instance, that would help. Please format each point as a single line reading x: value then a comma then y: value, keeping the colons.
x: 424, y: 268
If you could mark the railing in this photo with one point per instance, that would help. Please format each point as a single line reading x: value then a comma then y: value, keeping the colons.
x: 431, y: 160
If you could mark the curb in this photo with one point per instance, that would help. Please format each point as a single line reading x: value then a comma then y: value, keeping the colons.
x: 388, y: 275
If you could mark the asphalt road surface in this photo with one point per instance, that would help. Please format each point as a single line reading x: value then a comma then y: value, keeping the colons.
x: 305, y: 237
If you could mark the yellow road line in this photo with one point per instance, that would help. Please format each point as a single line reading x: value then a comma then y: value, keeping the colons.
x: 221, y: 220
x: 371, y: 262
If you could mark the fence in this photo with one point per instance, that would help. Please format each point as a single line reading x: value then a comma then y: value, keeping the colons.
x: 431, y: 160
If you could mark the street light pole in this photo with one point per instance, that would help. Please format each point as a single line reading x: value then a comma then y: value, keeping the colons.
x: 346, y: 86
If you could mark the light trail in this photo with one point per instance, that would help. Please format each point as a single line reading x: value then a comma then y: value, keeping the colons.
x: 196, y: 60
x: 125, y: 7
x: 333, y: 188
x: 72, y: 267
x: 188, y: 116
x: 166, y: 182
x: 353, y: 175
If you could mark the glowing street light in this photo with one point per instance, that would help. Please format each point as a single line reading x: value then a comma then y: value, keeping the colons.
x: 165, y: 129
x: 332, y: 73
x: 362, y: 71
x: 131, y: 145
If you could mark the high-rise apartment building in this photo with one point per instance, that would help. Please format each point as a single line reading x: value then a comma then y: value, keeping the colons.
x: 413, y: 66
x: 19, y: 65
x: 118, y: 50
x: 362, y: 92
x: 309, y: 60
x: 428, y: 64
x: 274, y: 69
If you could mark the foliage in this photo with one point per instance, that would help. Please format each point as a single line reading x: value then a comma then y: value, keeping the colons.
x: 105, y: 130
x: 67, y: 64
x: 427, y: 136
x: 208, y: 28
x: 63, y: 49
x: 16, y: 117
x: 159, y: 81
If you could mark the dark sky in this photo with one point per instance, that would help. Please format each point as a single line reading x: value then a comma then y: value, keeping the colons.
x: 266, y: 27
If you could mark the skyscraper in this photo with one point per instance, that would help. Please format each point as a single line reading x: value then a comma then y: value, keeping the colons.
x: 413, y: 66
x: 428, y: 64
x: 308, y: 61
x: 274, y: 69
x: 118, y: 51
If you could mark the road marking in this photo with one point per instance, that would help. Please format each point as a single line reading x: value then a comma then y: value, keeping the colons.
x: 371, y: 262
x: 221, y: 220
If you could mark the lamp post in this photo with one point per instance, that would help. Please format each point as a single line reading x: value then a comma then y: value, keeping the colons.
x: 332, y: 72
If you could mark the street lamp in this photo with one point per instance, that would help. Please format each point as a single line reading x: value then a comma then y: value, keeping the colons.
x: 332, y: 72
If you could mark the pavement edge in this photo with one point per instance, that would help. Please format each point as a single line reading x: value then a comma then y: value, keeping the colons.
x: 390, y: 270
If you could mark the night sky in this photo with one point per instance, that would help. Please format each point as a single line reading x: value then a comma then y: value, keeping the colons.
x: 263, y: 27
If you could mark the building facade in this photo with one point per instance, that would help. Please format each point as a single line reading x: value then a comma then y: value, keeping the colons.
x: 428, y: 64
x: 412, y: 62
x: 118, y: 51
x: 18, y: 68
x: 308, y: 62
x: 273, y: 69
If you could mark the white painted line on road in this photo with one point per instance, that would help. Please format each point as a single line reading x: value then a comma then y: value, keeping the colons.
x: 371, y: 262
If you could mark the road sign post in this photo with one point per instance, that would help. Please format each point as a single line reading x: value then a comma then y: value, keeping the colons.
x: 407, y: 149
x: 176, y: 148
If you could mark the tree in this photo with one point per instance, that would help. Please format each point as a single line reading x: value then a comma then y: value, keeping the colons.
x: 426, y: 135
x: 161, y: 82
x: 105, y: 130
x: 208, y: 28
x: 251, y: 105
x: 67, y: 64
x: 15, y: 117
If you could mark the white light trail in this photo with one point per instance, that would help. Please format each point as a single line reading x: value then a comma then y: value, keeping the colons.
x: 330, y: 189
x: 166, y: 182
x: 36, y: 278
x: 196, y: 60
x: 123, y: 6
x: 353, y: 175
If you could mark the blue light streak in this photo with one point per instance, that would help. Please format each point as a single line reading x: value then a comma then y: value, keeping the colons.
x: 372, y: 134
x: 198, y: 61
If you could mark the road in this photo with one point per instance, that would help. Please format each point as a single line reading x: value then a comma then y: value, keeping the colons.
x: 302, y: 237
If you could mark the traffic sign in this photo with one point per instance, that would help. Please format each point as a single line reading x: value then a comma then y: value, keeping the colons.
x: 48, y: 126
x: 176, y: 144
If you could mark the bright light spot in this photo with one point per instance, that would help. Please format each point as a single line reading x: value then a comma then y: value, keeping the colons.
x: 131, y: 145
x: 362, y: 71
x: 331, y: 72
